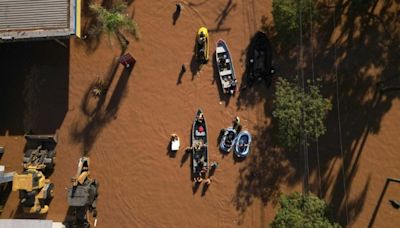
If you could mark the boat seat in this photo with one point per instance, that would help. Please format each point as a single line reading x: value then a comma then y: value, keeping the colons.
x: 220, y: 50
x: 198, y: 133
x: 226, y: 72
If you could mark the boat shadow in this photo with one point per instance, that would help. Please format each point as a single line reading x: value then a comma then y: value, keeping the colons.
x: 237, y: 159
x: 195, y: 65
x: 195, y: 187
x: 224, y: 14
x: 246, y: 81
x: 107, y: 80
x: 212, y: 171
x: 88, y: 131
x: 204, y: 190
x: 185, y: 157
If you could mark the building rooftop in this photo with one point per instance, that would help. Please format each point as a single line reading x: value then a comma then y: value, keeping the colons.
x: 29, y: 223
x: 36, y: 18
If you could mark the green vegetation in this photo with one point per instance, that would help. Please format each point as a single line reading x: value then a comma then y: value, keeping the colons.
x: 114, y: 21
x: 302, y: 211
x: 99, y: 88
x: 286, y: 15
x: 299, y: 112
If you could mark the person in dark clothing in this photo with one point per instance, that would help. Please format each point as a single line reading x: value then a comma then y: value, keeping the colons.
x: 208, y: 181
x: 179, y: 7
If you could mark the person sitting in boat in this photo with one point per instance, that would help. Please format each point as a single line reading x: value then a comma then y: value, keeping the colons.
x: 258, y: 74
x: 209, y: 180
x: 201, y: 129
x: 200, y: 118
x: 201, y: 40
x: 230, y: 135
x: 203, y: 170
x: 222, y: 63
x: 233, y: 83
x: 197, y: 146
x: 198, y: 179
x: 251, y: 62
x: 236, y: 123
x: 256, y: 54
x: 272, y: 70
x: 261, y: 56
x: 229, y: 138
x: 201, y: 52
x: 242, y: 145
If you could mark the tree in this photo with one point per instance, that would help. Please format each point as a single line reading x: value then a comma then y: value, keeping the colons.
x: 286, y: 15
x: 299, y: 112
x: 114, y: 21
x: 302, y: 211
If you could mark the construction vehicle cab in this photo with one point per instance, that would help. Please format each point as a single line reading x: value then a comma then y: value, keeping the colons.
x: 35, y: 191
x: 40, y: 151
x: 82, y: 196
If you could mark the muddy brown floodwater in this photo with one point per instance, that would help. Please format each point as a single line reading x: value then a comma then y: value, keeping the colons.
x: 127, y: 133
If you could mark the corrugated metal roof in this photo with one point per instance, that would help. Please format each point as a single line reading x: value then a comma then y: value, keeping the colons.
x: 31, y: 19
x: 25, y: 223
x: 33, y: 14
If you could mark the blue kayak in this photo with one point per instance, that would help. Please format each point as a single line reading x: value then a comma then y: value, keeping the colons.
x: 242, y: 144
x: 228, y: 139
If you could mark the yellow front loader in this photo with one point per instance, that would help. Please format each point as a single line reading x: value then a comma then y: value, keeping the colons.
x: 35, y: 191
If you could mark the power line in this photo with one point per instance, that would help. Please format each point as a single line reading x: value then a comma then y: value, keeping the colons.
x: 313, y: 79
x: 340, y: 124
x: 304, y: 138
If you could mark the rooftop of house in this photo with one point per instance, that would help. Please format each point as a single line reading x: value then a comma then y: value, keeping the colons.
x: 21, y: 19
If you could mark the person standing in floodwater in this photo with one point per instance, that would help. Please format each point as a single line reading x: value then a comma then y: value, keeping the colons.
x: 208, y: 181
x: 179, y: 7
x: 236, y: 124
x: 214, y: 164
x: 175, y: 16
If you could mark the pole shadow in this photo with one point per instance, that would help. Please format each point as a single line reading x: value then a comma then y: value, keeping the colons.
x: 378, y: 204
x: 88, y: 132
x: 224, y: 14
